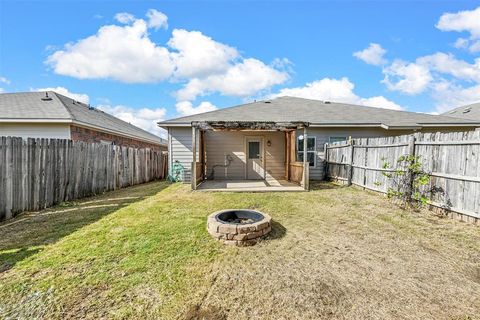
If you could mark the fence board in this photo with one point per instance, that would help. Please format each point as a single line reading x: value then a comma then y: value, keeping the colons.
x: 452, y: 159
x: 38, y: 173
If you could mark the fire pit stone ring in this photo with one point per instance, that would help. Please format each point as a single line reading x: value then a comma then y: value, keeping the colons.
x: 239, y: 227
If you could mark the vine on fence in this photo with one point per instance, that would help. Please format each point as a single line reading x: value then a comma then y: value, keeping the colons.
x: 407, y: 182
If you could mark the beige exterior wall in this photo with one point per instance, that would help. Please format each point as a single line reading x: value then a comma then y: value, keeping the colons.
x: 219, y: 144
x: 36, y: 130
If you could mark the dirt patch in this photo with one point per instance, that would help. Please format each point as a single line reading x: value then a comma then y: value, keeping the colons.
x: 204, y: 313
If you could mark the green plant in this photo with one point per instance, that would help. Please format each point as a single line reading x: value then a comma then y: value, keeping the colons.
x: 407, y: 181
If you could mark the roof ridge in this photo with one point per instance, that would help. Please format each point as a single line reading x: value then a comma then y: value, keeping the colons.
x: 107, y: 114
x: 63, y: 104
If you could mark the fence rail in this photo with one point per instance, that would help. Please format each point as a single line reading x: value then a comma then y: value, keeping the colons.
x: 38, y: 173
x: 451, y: 159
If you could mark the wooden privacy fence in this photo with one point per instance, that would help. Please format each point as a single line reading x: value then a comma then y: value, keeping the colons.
x: 451, y: 159
x: 38, y: 173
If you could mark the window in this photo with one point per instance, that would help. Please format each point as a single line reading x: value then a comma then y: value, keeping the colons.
x: 253, y: 150
x: 337, y: 139
x: 311, y: 150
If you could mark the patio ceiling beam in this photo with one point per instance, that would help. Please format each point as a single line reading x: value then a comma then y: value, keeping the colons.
x: 248, y: 125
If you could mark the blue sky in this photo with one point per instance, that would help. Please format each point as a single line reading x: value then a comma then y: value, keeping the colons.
x: 149, y: 60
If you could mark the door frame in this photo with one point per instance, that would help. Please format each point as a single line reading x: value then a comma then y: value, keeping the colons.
x: 262, y: 143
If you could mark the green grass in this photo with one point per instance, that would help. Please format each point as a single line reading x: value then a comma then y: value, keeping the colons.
x: 143, y: 252
x: 104, y: 258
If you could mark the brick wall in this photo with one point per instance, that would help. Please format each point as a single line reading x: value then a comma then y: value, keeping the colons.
x: 89, y: 135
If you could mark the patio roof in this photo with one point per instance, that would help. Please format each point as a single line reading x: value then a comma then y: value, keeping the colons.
x: 249, y: 125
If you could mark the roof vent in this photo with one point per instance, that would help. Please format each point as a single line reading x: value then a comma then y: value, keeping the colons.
x: 327, y: 102
x: 467, y: 110
x: 268, y: 101
x: 90, y: 107
x: 46, y: 98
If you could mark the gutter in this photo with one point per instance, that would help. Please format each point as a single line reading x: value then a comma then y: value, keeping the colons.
x: 355, y: 125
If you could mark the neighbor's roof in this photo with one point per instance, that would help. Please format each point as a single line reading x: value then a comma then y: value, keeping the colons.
x: 321, y: 113
x: 471, y: 112
x: 33, y: 107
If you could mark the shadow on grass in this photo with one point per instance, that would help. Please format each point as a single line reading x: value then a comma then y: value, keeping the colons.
x: 26, y: 234
x: 325, y: 185
x: 278, y: 231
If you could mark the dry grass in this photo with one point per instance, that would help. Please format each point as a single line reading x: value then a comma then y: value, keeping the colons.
x: 334, y: 253
x: 344, y: 253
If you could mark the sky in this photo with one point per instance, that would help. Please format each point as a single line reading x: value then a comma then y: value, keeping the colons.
x: 146, y: 61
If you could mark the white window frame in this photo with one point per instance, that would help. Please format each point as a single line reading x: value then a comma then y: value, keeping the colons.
x: 314, y: 151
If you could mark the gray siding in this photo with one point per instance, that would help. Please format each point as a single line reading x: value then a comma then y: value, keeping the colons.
x: 181, y: 149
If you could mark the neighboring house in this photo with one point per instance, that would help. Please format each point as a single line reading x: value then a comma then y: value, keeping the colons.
x: 52, y: 115
x: 470, y: 112
x: 263, y: 140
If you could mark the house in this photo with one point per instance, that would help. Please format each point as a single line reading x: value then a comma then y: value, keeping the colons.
x: 264, y: 140
x: 469, y: 112
x: 52, y: 115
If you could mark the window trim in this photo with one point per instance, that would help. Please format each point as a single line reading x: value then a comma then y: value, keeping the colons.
x: 314, y: 151
x: 330, y: 139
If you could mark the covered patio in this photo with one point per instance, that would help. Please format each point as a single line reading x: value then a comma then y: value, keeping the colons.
x: 249, y: 186
x: 248, y: 156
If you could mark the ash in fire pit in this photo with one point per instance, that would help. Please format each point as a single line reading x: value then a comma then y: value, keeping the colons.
x: 239, y: 227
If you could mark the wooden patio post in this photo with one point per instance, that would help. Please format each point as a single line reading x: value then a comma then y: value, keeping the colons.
x: 305, y: 177
x: 287, y: 155
x: 194, y: 160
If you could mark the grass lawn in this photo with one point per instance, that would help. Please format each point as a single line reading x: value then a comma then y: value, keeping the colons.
x: 144, y: 252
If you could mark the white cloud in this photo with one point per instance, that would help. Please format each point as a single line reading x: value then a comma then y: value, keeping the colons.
x: 124, y: 17
x: 157, y: 19
x: 475, y: 47
x: 123, y: 53
x: 4, y: 80
x: 449, y: 96
x: 380, y: 102
x: 198, y: 55
x: 200, y: 64
x: 463, y: 21
x: 461, y: 43
x: 145, y: 118
x: 448, y: 64
x: 242, y: 79
x: 64, y: 91
x: 337, y: 90
x: 468, y: 20
x: 372, y: 55
x: 2, y: 90
x: 409, y: 78
x: 186, y: 108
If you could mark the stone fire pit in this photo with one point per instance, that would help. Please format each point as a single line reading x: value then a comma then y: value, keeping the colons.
x: 239, y: 227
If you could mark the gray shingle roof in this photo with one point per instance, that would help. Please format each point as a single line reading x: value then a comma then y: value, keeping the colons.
x: 292, y: 109
x: 471, y: 112
x: 28, y: 106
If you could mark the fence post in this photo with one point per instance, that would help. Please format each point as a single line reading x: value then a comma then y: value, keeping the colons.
x: 350, y: 162
x: 411, y: 153
x: 325, y: 155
